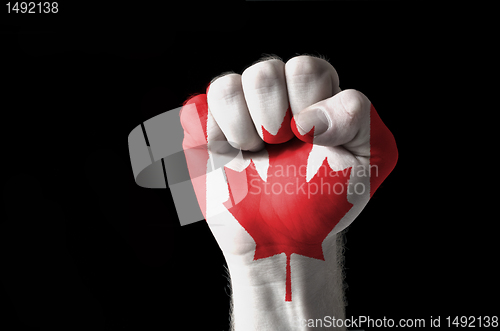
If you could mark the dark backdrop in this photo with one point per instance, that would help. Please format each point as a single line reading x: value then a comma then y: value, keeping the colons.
x: 83, y: 245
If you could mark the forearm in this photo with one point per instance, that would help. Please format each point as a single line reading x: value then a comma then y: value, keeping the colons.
x: 259, y: 291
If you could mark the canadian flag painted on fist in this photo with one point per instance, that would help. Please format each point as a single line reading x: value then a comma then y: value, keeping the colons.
x: 300, y: 158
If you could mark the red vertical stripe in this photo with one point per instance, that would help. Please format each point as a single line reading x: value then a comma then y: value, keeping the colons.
x: 383, y: 151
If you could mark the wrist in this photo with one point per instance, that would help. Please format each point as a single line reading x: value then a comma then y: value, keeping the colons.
x: 260, y: 290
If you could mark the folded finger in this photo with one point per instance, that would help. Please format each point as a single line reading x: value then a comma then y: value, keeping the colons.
x: 266, y: 96
x: 227, y: 104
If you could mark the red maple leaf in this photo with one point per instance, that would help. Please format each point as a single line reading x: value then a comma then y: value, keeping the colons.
x: 287, y: 214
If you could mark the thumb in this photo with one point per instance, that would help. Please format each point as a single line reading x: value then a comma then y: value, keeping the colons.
x: 342, y: 120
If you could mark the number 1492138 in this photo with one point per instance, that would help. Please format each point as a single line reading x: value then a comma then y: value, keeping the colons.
x: 33, y: 7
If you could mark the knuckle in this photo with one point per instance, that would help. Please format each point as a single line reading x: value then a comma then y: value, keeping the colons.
x: 221, y: 75
x: 264, y: 74
x: 306, y: 67
x: 354, y: 102
x: 225, y: 88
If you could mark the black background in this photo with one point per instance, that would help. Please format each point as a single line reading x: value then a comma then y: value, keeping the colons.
x: 84, y: 246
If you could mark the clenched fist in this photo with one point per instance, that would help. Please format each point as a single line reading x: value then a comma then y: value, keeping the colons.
x: 305, y: 157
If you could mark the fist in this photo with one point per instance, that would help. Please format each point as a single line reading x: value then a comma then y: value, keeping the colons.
x: 304, y: 158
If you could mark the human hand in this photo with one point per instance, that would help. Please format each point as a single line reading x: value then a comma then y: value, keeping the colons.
x: 301, y: 179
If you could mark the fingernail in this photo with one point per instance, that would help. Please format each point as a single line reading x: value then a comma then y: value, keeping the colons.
x: 308, y: 119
